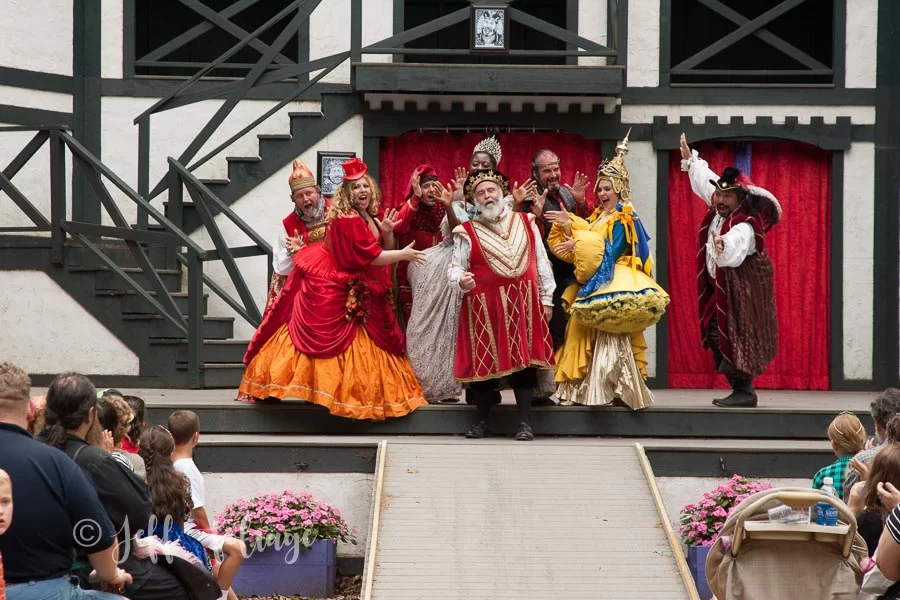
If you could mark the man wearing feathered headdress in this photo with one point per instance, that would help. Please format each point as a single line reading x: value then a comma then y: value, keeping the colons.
x: 735, y: 275
x: 304, y: 225
x: 500, y: 263
x: 419, y: 220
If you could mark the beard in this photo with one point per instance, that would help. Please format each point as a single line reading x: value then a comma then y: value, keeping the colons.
x: 312, y: 213
x: 492, y: 212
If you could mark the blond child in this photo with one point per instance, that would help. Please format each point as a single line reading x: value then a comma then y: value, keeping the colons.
x: 6, y: 509
x: 847, y: 437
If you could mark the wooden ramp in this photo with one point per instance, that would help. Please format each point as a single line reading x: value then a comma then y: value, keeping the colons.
x: 504, y: 520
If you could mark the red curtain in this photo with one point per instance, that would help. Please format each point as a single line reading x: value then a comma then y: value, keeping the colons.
x: 446, y: 151
x: 800, y: 177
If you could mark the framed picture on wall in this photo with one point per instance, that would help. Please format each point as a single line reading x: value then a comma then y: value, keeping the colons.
x: 331, y: 173
x: 490, y: 25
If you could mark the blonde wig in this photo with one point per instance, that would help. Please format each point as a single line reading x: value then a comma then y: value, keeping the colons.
x: 342, y: 204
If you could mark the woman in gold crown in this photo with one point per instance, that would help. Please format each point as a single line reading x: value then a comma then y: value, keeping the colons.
x: 613, y: 299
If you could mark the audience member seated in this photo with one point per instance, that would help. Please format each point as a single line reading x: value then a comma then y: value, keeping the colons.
x: 133, y: 437
x: 71, y: 412
x: 847, y: 437
x: 170, y: 492
x: 115, y: 416
x: 882, y: 409
x: 184, y: 425
x: 51, y: 495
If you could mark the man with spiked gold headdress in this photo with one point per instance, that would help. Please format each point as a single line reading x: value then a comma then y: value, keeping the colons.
x: 304, y: 225
x: 500, y: 264
x: 736, y: 288
x: 613, y: 299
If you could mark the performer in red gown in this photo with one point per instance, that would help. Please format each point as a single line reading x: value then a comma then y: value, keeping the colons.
x: 338, y: 344
x: 419, y: 221
x: 500, y: 263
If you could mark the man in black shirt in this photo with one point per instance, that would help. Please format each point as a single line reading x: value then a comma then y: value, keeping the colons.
x: 57, y: 509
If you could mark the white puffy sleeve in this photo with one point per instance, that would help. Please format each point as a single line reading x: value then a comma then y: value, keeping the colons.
x: 462, y: 249
x: 699, y: 172
x: 740, y: 242
x: 282, y: 263
x: 545, y: 270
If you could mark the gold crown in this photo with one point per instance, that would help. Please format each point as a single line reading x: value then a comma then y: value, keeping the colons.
x: 616, y: 172
x: 477, y: 177
x: 301, y: 176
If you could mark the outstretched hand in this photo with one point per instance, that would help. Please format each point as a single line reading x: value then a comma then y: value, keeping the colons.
x: 415, y: 182
x: 564, y: 247
x: 459, y: 178
x: 521, y: 193
x: 388, y: 222
x: 539, y: 201
x: 579, y: 187
x: 446, y: 194
x: 560, y: 217
x: 416, y: 257
x: 294, y: 243
x: 685, y: 149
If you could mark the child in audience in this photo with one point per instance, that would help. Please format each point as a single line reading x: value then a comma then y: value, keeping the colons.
x: 847, y: 437
x: 6, y: 508
x: 170, y: 492
x: 185, y: 428
x: 115, y: 416
x: 133, y: 437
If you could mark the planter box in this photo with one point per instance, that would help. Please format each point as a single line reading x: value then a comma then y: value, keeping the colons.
x: 696, y: 559
x: 270, y: 572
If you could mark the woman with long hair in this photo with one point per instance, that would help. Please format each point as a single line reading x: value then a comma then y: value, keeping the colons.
x: 613, y: 299
x: 338, y: 344
x: 170, y: 492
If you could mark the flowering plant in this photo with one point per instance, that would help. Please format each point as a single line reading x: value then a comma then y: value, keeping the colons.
x: 273, y: 519
x: 701, y: 522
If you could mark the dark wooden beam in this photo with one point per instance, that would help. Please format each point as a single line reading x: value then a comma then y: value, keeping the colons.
x: 828, y: 137
x: 753, y: 95
x: 499, y: 79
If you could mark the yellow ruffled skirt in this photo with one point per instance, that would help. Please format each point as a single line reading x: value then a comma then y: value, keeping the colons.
x: 362, y: 382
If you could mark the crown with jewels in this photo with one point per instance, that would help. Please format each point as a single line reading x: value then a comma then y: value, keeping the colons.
x: 477, y: 177
x: 615, y: 171
x: 490, y: 145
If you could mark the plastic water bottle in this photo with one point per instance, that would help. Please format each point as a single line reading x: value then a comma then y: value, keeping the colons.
x: 827, y: 514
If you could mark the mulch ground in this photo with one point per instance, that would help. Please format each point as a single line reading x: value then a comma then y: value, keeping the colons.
x: 347, y: 587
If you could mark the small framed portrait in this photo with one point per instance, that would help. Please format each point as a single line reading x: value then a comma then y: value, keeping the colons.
x: 490, y: 25
x: 331, y: 173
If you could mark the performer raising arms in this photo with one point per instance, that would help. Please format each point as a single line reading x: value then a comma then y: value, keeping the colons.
x: 342, y: 347
x: 499, y: 261
x: 304, y: 225
x: 602, y: 358
x: 735, y: 283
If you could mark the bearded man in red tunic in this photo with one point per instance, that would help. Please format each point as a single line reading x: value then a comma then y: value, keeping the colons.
x: 500, y: 263
x: 304, y: 225
x: 419, y: 222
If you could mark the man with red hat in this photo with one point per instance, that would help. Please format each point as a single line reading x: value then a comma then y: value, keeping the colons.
x: 735, y: 276
x: 304, y: 225
x: 500, y: 263
x: 420, y: 222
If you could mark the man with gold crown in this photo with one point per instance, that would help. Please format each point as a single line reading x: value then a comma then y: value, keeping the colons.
x: 501, y: 265
x: 736, y: 286
x: 304, y: 225
x: 614, y: 297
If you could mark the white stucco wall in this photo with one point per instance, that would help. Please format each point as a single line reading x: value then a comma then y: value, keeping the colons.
x: 862, y: 44
x: 644, y: 113
x: 592, y: 20
x: 351, y: 493
x: 36, y: 99
x: 263, y: 209
x: 173, y: 130
x: 858, y: 266
x: 642, y: 63
x: 46, y: 331
x: 641, y: 162
x: 37, y: 35
x: 111, y: 13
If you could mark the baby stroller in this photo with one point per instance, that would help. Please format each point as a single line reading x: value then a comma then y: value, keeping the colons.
x: 754, y: 559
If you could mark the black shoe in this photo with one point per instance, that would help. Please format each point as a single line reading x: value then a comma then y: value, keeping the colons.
x: 479, y: 430
x: 740, y: 398
x: 543, y: 402
x: 524, y: 433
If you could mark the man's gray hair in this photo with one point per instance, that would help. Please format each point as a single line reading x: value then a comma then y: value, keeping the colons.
x: 15, y: 388
x: 886, y: 406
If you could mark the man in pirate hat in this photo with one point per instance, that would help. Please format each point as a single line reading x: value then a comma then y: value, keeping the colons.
x: 500, y: 263
x: 735, y: 275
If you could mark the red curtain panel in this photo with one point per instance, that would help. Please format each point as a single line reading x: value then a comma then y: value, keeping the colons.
x: 800, y: 177
x: 446, y: 151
